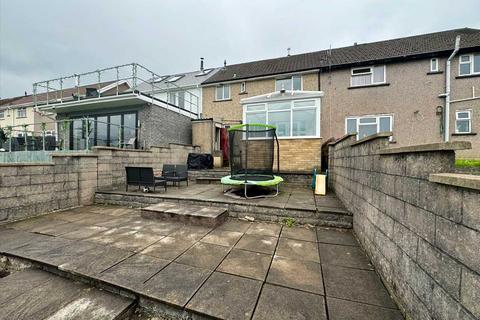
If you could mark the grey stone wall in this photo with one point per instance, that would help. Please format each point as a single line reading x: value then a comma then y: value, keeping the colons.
x: 160, y: 126
x: 423, y: 237
x: 71, y: 179
x: 31, y: 189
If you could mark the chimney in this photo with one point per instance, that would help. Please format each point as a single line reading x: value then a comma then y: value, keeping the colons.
x: 224, y: 63
x: 25, y: 93
x: 201, y: 64
x: 355, y: 43
x: 288, y: 52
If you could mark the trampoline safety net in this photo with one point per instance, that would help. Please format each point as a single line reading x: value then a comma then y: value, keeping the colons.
x: 252, y: 152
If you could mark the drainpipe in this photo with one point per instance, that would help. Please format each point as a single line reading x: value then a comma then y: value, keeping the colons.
x: 447, y: 93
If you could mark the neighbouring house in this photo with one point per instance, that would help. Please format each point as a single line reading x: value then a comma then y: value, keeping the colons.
x: 395, y: 85
x: 180, y: 89
x: 129, y: 116
x: 19, y: 114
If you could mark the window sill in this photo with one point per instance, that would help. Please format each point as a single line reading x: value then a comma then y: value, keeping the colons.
x: 434, y: 72
x: 468, y: 76
x: 222, y: 100
x: 21, y: 117
x: 370, y: 86
x: 465, y: 134
x: 243, y: 93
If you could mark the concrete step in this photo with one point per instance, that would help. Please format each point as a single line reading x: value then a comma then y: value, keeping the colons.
x: 192, y: 214
x: 207, y: 180
x: 37, y: 294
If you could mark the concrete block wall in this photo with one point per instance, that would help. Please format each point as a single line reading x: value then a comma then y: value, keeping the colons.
x: 28, y: 190
x: 71, y: 179
x: 423, y: 237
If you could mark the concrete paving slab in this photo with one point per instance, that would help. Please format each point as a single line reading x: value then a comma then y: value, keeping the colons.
x: 110, y: 235
x: 39, y: 247
x: 356, y: 285
x: 95, y: 261
x: 247, y: 264
x: 64, y: 254
x: 226, y: 296
x: 297, y: 249
x: 132, y: 272
x: 191, y: 232
x: 265, y: 229
x: 176, y: 284
x: 336, y: 236
x: 296, y: 274
x: 162, y: 228
x: 11, y: 239
x: 84, y: 232
x: 168, y: 248
x: 21, y: 282
x: 278, y: 303
x: 28, y: 224
x: 235, y: 225
x: 203, y: 255
x: 339, y: 309
x: 222, y: 237
x: 262, y: 244
x: 299, y: 233
x: 136, y: 242
x: 42, y: 301
x: 57, y: 229
x: 346, y: 256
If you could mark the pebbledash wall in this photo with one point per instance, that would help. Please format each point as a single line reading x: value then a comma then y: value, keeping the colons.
x: 71, y: 179
x: 419, y: 224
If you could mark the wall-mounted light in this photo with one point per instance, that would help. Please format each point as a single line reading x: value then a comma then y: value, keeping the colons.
x: 439, y: 111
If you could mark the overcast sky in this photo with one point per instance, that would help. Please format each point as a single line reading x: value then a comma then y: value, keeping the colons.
x: 40, y: 40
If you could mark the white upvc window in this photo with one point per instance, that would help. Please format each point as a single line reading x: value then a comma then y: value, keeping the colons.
x: 222, y: 92
x: 366, y: 76
x: 463, y: 121
x: 292, y: 119
x: 21, y: 113
x: 469, y: 64
x: 243, y: 87
x: 2, y: 114
x: 434, y: 65
x: 289, y: 83
x: 368, y: 125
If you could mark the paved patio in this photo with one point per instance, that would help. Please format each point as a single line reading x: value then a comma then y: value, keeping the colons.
x: 239, y: 270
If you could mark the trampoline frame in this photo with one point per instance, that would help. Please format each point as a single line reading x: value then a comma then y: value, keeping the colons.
x: 247, y: 182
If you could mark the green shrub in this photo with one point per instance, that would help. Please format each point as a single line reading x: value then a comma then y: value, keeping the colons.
x: 467, y: 163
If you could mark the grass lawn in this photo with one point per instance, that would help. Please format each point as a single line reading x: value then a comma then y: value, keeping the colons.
x: 467, y: 163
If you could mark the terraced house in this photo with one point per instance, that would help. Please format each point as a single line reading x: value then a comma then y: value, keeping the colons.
x: 422, y: 88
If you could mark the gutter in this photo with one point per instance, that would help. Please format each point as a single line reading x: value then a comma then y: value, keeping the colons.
x: 447, y: 90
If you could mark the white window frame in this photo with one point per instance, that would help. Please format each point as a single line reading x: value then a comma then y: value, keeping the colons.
x: 2, y: 114
x: 222, y: 86
x: 377, y: 122
x: 292, y: 107
x: 469, y: 119
x: 291, y: 81
x: 471, y: 62
x: 372, y: 83
x: 436, y: 65
x: 243, y: 87
x: 175, y: 78
x: 18, y: 110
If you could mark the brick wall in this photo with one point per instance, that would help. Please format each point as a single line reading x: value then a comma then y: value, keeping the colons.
x: 299, y: 155
x: 71, y: 179
x: 422, y: 236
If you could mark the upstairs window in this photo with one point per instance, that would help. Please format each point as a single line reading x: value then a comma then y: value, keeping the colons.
x: 368, y: 125
x: 222, y: 92
x: 368, y: 76
x: 434, y: 65
x: 21, y: 113
x: 175, y: 78
x: 469, y: 64
x: 2, y: 114
x: 289, y: 83
x: 463, y: 121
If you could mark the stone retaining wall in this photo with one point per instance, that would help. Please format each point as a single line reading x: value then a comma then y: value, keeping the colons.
x: 71, y: 179
x: 422, y: 236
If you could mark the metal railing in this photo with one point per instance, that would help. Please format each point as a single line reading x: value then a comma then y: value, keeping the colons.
x: 77, y: 134
x: 110, y: 82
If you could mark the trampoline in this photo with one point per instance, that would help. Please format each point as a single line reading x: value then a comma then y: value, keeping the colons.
x: 252, y: 154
